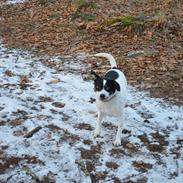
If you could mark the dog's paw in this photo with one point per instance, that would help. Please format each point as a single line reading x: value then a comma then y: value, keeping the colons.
x: 117, y: 142
x: 96, y: 133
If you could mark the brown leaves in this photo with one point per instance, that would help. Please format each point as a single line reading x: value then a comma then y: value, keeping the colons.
x: 92, y: 153
x: 24, y: 82
x: 155, y: 147
x: 45, y: 99
x: 84, y: 126
x: 58, y: 104
x: 8, y: 73
x: 141, y: 166
x: 14, y: 161
x: 112, y: 165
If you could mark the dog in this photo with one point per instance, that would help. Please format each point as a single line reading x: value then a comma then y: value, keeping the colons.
x: 111, y: 96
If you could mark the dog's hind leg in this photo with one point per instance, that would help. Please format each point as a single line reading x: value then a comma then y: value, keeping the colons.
x: 98, y: 125
x: 117, y: 141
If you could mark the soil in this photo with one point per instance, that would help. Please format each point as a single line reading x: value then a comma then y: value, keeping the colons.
x: 84, y: 126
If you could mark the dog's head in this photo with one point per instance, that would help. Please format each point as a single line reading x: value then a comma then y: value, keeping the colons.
x: 105, y: 88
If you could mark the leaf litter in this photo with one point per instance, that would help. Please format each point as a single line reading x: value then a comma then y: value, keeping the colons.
x: 54, y: 98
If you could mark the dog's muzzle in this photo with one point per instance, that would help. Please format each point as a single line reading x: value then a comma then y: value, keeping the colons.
x: 102, y: 96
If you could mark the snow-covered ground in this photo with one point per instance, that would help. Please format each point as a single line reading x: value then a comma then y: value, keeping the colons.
x: 58, y: 104
x: 15, y: 1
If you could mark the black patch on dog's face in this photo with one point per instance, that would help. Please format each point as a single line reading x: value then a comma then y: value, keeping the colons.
x: 98, y: 84
x: 106, y: 86
x: 111, y: 86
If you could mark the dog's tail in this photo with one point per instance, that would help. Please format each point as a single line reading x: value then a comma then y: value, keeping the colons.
x: 109, y: 57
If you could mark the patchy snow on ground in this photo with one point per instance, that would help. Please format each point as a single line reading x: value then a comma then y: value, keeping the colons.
x: 47, y: 117
x: 15, y: 1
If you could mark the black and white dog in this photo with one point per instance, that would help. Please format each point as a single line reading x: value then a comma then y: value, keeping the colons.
x: 111, y: 96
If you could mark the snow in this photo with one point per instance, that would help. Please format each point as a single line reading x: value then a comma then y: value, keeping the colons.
x: 59, y: 149
x: 15, y: 1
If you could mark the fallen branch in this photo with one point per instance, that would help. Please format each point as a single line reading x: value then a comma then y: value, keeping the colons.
x: 177, y: 171
x: 32, y: 132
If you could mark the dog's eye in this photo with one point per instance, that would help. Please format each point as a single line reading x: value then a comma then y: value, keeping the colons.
x: 97, y: 88
x: 106, y: 88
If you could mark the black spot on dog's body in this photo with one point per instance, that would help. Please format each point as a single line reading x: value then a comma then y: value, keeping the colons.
x: 113, y: 75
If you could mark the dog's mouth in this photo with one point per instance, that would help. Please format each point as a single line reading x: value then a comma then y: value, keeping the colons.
x: 103, y: 97
x: 106, y: 99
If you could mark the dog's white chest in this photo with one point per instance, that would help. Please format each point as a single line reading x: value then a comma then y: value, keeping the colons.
x: 112, y: 107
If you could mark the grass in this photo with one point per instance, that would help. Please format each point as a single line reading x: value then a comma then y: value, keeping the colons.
x: 84, y: 4
x: 54, y: 15
x: 123, y: 21
x: 83, y: 16
x: 136, y: 23
x: 130, y: 22
x: 45, y: 2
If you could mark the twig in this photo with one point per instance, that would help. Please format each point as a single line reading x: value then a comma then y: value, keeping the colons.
x: 132, y: 176
x: 177, y: 165
x: 32, y: 132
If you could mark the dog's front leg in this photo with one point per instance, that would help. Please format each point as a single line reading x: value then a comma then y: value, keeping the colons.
x: 98, y: 125
x: 117, y: 141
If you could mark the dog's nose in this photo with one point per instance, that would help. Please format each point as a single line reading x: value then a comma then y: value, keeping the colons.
x: 102, y: 96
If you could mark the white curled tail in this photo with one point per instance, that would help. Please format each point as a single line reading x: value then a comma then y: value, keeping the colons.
x: 109, y: 57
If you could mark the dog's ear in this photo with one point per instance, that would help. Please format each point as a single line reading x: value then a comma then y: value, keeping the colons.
x: 95, y: 74
x: 116, y: 85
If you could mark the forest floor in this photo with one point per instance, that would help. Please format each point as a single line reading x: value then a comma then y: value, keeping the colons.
x: 47, y: 106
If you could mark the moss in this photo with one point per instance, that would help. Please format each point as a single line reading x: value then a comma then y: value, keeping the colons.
x: 54, y: 15
x: 45, y: 2
x: 84, y: 4
x: 83, y: 16
x: 124, y: 21
x: 129, y: 21
x: 136, y: 24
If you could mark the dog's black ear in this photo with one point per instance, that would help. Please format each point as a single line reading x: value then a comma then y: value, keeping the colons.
x: 116, y: 85
x: 95, y: 74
